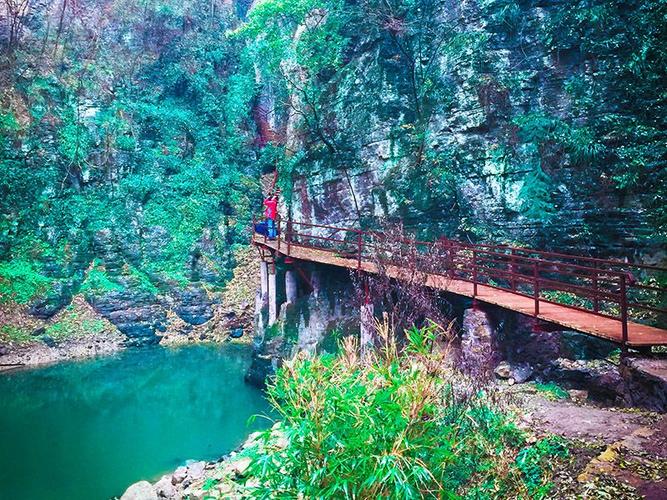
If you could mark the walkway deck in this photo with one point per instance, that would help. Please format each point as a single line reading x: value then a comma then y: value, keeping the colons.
x: 571, y: 318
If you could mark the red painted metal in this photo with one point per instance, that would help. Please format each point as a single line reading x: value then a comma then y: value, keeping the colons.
x: 598, y: 286
x: 536, y: 287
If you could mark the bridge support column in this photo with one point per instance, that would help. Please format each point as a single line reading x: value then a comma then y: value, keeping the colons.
x: 291, y: 286
x: 273, y: 305
x: 264, y: 282
x: 367, y: 327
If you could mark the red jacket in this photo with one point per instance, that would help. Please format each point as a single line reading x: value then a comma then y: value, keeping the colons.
x: 271, y: 208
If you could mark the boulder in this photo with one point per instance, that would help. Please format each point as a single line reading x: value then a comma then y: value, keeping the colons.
x: 241, y: 465
x: 645, y: 382
x: 143, y: 490
x: 503, y: 370
x: 196, y: 470
x: 601, y: 379
x: 521, y: 372
x: 575, y: 345
x: 48, y: 341
x: 164, y: 487
x: 179, y: 475
x: 38, y: 331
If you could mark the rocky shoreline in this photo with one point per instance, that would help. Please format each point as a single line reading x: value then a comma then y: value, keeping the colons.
x: 39, y: 353
x: 636, y: 439
x: 198, y: 480
x: 76, y: 332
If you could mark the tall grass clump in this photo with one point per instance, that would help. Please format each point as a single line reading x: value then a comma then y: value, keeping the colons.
x: 395, y: 423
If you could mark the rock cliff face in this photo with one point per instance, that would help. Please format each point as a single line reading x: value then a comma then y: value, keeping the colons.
x: 483, y: 120
x: 507, y: 138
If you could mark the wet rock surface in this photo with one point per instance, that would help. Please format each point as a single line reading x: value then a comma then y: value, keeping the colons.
x: 134, y: 313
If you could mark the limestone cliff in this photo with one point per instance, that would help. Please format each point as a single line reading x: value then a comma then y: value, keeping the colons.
x: 523, y: 122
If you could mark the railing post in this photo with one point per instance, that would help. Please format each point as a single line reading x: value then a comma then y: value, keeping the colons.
x: 596, y: 292
x: 278, y: 231
x: 288, y: 235
x: 474, y: 273
x: 513, y: 269
x: 252, y: 231
x: 359, y: 243
x: 536, y: 288
x: 624, y: 311
x: 450, y: 259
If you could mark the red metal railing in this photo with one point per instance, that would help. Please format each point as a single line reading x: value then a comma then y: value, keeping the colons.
x: 606, y: 288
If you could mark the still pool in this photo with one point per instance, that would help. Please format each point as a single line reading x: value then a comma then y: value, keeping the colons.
x: 86, y: 430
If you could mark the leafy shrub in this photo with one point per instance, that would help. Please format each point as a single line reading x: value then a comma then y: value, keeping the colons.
x: 391, y: 425
x: 74, y: 322
x: 97, y: 281
x: 20, y: 281
x: 552, y: 391
x: 530, y: 461
x: 10, y: 333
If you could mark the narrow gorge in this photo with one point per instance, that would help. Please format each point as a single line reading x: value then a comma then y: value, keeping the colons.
x: 461, y: 292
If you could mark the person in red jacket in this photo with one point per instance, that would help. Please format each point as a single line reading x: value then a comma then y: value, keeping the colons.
x: 271, y: 212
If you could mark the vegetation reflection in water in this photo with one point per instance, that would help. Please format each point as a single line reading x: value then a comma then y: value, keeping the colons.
x: 86, y: 430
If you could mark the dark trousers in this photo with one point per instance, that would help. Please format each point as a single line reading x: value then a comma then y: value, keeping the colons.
x: 271, y: 231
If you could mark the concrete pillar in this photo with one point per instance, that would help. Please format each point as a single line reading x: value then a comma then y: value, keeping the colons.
x: 479, y: 349
x: 367, y: 327
x: 316, y: 282
x: 264, y: 282
x: 290, y: 286
x: 273, y: 305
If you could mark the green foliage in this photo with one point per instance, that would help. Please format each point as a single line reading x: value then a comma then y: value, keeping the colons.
x: 552, y: 391
x: 393, y: 425
x: 533, y: 460
x: 537, y: 195
x: 569, y: 298
x: 72, y: 323
x: 20, y: 281
x: 143, y: 281
x: 135, y: 139
x: 97, y: 281
x: 15, y: 334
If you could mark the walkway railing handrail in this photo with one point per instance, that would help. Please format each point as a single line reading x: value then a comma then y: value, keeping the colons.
x: 602, y: 287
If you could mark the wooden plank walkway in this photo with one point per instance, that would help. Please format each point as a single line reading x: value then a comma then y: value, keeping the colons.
x: 590, y: 323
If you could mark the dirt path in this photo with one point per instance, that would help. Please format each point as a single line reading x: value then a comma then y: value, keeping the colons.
x: 616, y: 453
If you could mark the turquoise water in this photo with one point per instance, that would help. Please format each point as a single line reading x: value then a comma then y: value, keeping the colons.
x: 87, y: 430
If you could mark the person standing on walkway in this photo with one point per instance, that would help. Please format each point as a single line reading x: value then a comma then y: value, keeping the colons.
x: 271, y: 212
